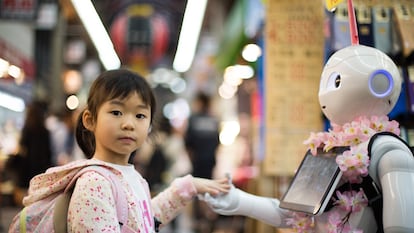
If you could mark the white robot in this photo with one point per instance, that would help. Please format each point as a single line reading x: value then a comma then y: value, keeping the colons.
x: 356, y: 81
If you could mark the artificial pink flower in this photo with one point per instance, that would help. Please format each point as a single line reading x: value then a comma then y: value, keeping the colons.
x: 344, y: 201
x: 313, y: 142
x: 334, y: 221
x: 331, y: 141
x: 353, y: 163
x: 378, y: 123
x: 351, y: 201
x: 301, y: 222
x: 359, y: 200
x: 393, y: 127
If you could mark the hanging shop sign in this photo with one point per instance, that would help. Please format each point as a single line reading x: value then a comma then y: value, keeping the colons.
x: 294, y: 42
x: 140, y: 36
x: 18, y: 9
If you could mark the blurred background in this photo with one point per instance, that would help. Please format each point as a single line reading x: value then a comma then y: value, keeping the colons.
x: 257, y: 63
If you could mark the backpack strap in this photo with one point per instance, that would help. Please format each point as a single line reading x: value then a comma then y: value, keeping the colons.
x: 62, y: 203
x: 22, y: 221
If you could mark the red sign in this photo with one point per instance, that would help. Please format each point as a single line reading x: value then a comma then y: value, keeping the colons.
x: 18, y: 9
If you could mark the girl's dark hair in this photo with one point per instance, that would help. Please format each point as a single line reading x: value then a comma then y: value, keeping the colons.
x: 110, y: 85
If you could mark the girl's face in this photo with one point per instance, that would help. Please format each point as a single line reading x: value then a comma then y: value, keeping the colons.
x: 121, y: 127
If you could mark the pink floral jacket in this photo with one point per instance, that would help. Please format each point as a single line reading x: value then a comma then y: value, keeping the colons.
x: 165, y: 206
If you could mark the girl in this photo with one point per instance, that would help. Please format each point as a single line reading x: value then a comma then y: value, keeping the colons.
x: 115, y: 124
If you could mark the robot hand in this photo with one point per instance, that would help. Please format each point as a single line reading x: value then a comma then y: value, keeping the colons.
x: 226, y: 204
x: 238, y: 202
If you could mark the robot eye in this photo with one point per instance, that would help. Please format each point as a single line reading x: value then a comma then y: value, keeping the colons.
x: 337, y: 81
x: 334, y: 81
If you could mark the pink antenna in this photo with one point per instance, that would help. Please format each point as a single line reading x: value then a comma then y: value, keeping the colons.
x: 352, y: 24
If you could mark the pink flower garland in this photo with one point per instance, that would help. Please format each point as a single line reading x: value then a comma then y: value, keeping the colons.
x: 353, y: 164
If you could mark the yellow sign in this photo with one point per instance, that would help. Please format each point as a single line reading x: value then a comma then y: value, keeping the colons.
x: 294, y: 54
x: 331, y: 4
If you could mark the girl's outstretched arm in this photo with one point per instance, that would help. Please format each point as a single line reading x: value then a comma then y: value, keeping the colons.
x: 183, y: 190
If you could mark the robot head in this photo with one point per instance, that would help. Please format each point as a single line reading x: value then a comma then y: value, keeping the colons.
x: 358, y: 81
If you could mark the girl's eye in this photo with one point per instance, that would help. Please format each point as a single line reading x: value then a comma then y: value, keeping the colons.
x: 140, y: 116
x: 116, y: 113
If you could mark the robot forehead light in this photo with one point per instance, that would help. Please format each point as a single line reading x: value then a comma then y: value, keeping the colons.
x: 381, y: 83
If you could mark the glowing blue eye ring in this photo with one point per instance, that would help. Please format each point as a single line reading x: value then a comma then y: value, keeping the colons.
x: 390, y: 80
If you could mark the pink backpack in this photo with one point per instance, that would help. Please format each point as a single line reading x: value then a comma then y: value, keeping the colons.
x: 50, y: 214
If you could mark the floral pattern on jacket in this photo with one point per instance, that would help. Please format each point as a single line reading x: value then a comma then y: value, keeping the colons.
x: 165, y: 206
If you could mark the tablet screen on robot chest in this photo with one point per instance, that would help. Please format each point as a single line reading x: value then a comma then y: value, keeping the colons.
x: 314, y: 182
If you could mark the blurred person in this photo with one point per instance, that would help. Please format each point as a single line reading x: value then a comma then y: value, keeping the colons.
x: 62, y: 128
x: 201, y: 142
x: 169, y: 157
x: 178, y: 161
x: 34, y: 153
x: 169, y: 160
x: 202, y: 136
x: 156, y: 167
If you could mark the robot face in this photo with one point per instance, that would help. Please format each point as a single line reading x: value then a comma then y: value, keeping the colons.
x: 358, y: 81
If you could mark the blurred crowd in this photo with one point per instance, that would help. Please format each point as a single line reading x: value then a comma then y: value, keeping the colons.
x: 44, y: 140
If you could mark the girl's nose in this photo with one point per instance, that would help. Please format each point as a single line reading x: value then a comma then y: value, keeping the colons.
x: 128, y: 123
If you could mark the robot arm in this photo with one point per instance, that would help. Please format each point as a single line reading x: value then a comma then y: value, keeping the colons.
x: 238, y: 202
x: 392, y: 167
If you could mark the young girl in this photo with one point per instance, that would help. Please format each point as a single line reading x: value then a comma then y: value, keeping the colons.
x: 114, y: 125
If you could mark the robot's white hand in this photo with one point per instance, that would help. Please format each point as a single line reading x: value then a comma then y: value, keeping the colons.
x: 226, y: 204
x: 238, y: 202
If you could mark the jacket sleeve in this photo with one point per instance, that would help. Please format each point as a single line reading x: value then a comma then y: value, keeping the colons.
x: 170, y: 202
x: 92, y: 206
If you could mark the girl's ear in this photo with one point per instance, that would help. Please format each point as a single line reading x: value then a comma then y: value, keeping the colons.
x: 87, y: 120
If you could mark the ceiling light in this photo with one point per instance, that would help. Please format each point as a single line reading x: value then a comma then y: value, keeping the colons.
x: 11, y: 102
x: 189, y: 34
x: 97, y: 33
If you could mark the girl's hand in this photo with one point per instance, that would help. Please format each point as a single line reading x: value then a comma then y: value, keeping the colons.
x: 213, y: 187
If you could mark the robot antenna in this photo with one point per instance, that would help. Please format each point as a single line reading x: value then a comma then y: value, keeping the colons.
x: 352, y: 24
